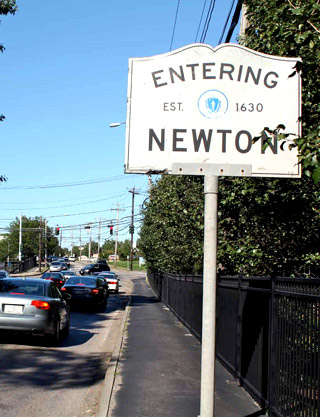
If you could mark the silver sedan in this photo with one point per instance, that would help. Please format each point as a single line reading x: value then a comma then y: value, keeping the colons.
x: 34, y: 306
x: 57, y: 266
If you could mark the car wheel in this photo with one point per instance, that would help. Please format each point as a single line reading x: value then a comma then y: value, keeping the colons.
x: 102, y: 305
x: 66, y: 330
x: 54, y: 338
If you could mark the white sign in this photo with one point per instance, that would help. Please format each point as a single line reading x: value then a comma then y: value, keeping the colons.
x: 203, y: 105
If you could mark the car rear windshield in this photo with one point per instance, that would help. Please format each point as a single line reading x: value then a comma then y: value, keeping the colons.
x: 51, y: 274
x: 84, y: 281
x: 2, y: 274
x: 21, y: 288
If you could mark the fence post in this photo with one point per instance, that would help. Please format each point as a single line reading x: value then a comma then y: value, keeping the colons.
x: 239, y: 330
x: 272, y: 354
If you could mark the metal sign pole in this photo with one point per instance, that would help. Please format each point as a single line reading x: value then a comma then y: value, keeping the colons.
x: 209, y: 295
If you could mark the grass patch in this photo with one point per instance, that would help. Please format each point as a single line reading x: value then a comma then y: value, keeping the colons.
x: 126, y: 265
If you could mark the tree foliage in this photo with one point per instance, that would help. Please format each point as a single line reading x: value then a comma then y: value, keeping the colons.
x: 291, y: 28
x: 264, y: 225
x: 172, y: 232
x: 30, y: 238
x: 7, y: 7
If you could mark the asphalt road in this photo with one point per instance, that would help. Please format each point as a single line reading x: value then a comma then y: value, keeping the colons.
x: 39, y: 381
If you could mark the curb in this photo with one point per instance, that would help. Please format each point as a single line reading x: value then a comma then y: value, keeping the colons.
x: 112, y: 367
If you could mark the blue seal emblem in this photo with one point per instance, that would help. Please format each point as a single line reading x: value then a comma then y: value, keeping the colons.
x: 213, y: 104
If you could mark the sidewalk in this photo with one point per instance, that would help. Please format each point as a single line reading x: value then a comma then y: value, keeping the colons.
x: 33, y: 272
x: 158, y: 372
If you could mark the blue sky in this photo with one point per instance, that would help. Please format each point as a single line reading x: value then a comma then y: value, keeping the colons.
x: 63, y: 81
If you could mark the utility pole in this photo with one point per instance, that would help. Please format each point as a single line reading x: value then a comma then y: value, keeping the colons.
x: 89, y: 227
x: 60, y: 242
x: 118, y: 209
x: 244, y: 21
x: 40, y: 243
x: 71, y: 242
x: 80, y: 247
x: 20, y: 238
x: 99, y: 227
x: 46, y: 241
x: 133, y: 191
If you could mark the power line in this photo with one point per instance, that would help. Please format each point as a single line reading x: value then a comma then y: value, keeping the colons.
x: 226, y: 22
x: 60, y: 201
x: 66, y: 205
x: 235, y: 20
x: 208, y: 20
x: 200, y: 21
x: 174, y: 26
x: 70, y: 184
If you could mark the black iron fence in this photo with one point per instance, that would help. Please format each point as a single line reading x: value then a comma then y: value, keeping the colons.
x: 15, y: 267
x: 268, y: 334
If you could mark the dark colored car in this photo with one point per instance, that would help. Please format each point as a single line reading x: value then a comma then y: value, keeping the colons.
x: 56, y: 277
x: 4, y: 274
x: 87, y: 290
x: 68, y: 274
x: 33, y: 306
x: 92, y: 268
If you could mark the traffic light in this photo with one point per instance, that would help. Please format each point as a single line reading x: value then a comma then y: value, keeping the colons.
x: 57, y: 231
x: 111, y: 230
x: 131, y: 229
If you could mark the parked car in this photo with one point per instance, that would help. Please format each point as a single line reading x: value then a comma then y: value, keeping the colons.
x: 4, y: 274
x: 57, y: 266
x: 72, y: 258
x: 68, y: 274
x: 112, y: 280
x: 55, y: 277
x: 91, y: 268
x: 87, y: 290
x: 33, y: 306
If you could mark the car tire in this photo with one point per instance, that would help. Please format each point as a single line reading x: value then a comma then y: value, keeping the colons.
x: 54, y: 338
x: 66, y: 330
x: 102, y: 305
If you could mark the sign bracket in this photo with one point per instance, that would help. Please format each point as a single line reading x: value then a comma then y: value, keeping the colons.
x: 222, y: 170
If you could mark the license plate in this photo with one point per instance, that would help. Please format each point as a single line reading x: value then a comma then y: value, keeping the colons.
x: 13, y: 309
x: 79, y: 292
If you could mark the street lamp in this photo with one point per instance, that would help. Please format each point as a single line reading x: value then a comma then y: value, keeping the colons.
x: 117, y: 124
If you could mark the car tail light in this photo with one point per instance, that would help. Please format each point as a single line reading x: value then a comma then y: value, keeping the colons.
x: 63, y: 289
x: 95, y: 291
x: 61, y: 282
x: 41, y: 305
x: 112, y: 282
x: 80, y: 284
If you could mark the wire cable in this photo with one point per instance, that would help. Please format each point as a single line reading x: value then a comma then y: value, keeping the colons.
x: 200, y: 21
x: 70, y: 184
x: 235, y: 20
x: 208, y: 20
x: 226, y: 22
x: 174, y: 26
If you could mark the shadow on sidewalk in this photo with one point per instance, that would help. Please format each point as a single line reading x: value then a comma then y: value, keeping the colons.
x: 140, y: 300
x: 257, y: 413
